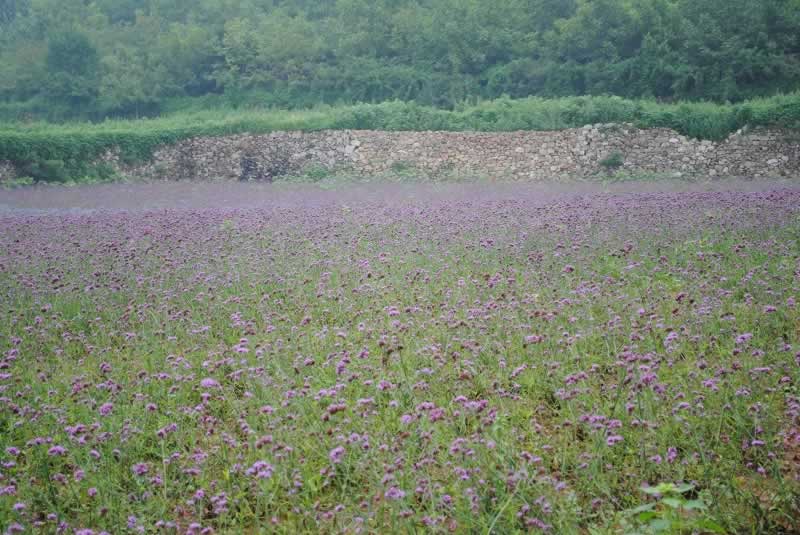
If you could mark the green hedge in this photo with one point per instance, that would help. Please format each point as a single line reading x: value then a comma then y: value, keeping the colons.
x: 59, y: 151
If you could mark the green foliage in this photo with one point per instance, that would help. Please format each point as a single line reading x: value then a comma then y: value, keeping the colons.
x: 45, y: 170
x: 20, y: 182
x: 613, y: 161
x: 132, y: 58
x: 10, y: 10
x: 402, y: 167
x: 315, y: 173
x: 266, y: 52
x: 673, y: 512
x: 61, y: 171
x: 73, y: 69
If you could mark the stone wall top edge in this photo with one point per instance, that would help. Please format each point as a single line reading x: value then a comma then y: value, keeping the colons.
x: 602, y: 128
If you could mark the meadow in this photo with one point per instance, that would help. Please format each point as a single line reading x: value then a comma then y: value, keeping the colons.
x: 441, y: 360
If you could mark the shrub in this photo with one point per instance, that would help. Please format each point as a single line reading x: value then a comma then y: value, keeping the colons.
x: 45, y: 170
x: 316, y: 172
x: 402, y: 167
x: 613, y: 161
x: 673, y: 512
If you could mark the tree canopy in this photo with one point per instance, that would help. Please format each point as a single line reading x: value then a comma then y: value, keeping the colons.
x: 66, y: 58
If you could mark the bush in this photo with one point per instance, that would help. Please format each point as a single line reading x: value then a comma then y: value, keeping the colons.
x: 317, y: 172
x: 45, y: 171
x: 613, y: 161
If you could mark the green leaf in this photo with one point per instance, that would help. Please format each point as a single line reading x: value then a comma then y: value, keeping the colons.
x: 710, y: 525
x: 695, y: 504
x: 647, y: 515
x: 661, y: 488
x: 642, y: 508
x: 673, y: 502
x: 660, y: 525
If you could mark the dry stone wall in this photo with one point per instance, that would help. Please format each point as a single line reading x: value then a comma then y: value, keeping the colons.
x: 248, y: 157
x: 575, y: 153
x: 582, y: 153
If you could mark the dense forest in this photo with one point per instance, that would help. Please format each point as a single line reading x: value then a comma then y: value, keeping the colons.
x: 89, y: 59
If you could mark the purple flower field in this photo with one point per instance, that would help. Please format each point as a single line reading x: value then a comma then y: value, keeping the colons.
x: 402, y: 360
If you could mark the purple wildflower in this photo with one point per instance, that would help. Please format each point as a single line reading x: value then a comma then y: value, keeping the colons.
x: 208, y: 382
x: 57, y: 451
x: 336, y: 454
x: 140, y: 469
x: 394, y: 493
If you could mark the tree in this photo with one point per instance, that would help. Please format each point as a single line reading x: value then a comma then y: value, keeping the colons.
x: 8, y: 11
x: 274, y: 51
x: 22, y: 71
x: 98, y: 57
x: 129, y: 84
x: 121, y: 11
x: 733, y: 49
x: 187, y: 54
x: 73, y: 65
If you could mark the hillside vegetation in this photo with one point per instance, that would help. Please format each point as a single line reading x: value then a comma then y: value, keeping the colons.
x: 68, y: 59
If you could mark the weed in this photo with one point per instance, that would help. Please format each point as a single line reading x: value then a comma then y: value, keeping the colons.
x: 672, y: 512
x: 615, y: 160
